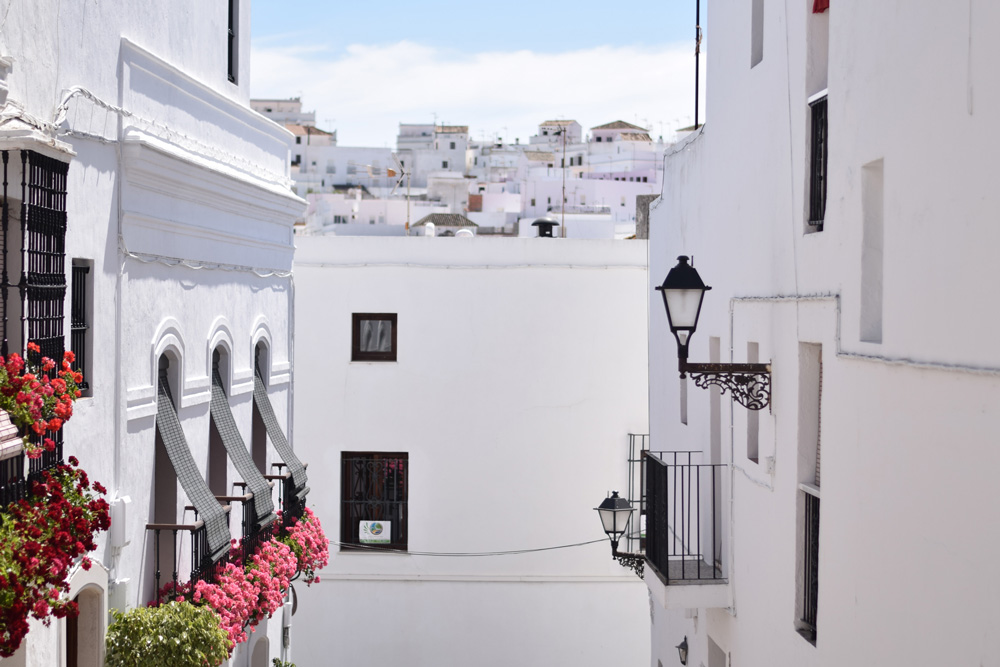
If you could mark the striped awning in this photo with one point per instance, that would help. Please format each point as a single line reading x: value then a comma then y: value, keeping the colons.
x: 194, y: 485
x: 274, y: 432
x: 222, y: 416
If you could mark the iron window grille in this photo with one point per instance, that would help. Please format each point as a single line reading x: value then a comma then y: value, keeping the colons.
x: 79, y: 325
x: 231, y: 67
x: 810, y: 580
x: 374, y: 488
x: 818, y: 164
x: 373, y: 337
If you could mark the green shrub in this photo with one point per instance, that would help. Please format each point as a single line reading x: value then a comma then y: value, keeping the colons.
x: 178, y: 634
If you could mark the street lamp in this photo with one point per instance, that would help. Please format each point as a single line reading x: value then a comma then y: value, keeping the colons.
x: 682, y: 651
x: 683, y: 291
x: 615, y: 513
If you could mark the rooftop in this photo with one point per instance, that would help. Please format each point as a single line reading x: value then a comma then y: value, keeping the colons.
x: 539, y: 156
x: 303, y: 130
x: 635, y: 136
x: 452, y: 129
x: 446, y: 220
x: 619, y: 125
x: 561, y: 123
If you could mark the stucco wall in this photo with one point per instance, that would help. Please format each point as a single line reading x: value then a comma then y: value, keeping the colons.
x: 520, y: 372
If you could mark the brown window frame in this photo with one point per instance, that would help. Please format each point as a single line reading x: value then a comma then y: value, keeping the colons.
x: 399, y: 501
x: 356, y: 353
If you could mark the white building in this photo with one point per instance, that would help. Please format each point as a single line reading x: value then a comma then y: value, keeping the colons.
x: 177, y: 247
x: 427, y: 149
x: 474, y: 418
x: 858, y: 261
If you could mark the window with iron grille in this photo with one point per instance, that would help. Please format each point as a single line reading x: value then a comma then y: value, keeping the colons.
x: 817, y: 164
x: 373, y: 488
x: 810, y: 580
x: 373, y: 337
x: 232, y: 44
x: 80, y: 320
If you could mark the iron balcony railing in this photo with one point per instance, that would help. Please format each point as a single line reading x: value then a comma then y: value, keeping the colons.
x: 810, y: 588
x: 202, y: 566
x: 15, y: 483
x: 683, y: 517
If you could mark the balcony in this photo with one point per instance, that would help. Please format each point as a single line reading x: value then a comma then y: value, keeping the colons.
x: 685, y: 533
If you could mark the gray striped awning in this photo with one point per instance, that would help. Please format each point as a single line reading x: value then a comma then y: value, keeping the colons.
x: 194, y: 485
x: 222, y: 416
x: 288, y: 457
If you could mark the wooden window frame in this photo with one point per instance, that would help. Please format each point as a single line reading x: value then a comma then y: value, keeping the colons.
x: 356, y: 353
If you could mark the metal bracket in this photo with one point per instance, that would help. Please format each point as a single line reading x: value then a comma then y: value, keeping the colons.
x: 634, y: 562
x: 750, y: 384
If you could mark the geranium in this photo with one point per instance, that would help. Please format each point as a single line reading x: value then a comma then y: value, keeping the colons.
x: 36, y: 399
x: 308, y: 541
x: 41, y: 537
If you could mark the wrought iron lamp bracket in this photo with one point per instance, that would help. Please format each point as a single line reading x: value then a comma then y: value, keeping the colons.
x: 634, y: 562
x: 749, y: 384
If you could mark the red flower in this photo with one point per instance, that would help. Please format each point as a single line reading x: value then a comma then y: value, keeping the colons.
x: 69, y: 356
x: 33, y: 347
x: 55, y: 424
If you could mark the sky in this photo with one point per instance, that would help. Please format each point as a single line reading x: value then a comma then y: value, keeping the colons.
x: 365, y: 67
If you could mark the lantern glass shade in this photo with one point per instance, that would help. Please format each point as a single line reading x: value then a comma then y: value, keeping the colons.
x: 683, y: 306
x: 683, y: 291
x: 682, y: 651
x: 615, y: 513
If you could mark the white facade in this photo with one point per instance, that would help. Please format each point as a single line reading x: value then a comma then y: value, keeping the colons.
x: 878, y: 329
x: 179, y: 201
x: 520, y: 371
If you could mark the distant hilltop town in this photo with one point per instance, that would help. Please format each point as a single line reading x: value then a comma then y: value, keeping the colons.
x: 587, y: 184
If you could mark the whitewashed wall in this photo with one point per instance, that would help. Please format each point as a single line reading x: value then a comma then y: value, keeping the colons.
x: 520, y: 372
x: 179, y: 195
x: 908, y: 424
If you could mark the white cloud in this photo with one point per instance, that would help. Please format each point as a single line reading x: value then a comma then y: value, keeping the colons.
x: 369, y: 90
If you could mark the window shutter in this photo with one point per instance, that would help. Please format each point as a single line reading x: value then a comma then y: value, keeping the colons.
x: 222, y: 416
x: 194, y: 485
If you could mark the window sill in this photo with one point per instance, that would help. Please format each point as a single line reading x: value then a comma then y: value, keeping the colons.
x: 372, y: 362
x: 356, y: 551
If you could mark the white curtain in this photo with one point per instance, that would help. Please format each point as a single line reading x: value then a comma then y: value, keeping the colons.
x: 376, y: 336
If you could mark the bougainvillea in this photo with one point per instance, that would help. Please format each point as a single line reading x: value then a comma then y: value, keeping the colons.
x: 241, y: 597
x: 40, y: 539
x: 37, y: 398
x: 306, y: 538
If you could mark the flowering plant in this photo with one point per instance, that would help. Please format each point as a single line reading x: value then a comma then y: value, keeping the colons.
x: 40, y: 539
x: 242, y: 597
x: 308, y: 541
x: 179, y: 634
x: 37, y: 398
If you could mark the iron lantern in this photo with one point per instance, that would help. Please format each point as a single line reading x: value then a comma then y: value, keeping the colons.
x: 615, y: 513
x: 683, y: 291
x: 682, y: 651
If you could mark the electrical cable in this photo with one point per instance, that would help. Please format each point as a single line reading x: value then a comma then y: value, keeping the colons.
x: 466, y: 554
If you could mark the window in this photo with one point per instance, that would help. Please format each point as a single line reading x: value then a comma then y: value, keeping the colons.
x: 453, y: 145
x: 756, y: 33
x: 297, y: 160
x: 298, y: 140
x: 532, y: 201
x: 872, y: 249
x: 373, y: 337
x: 810, y: 439
x: 817, y: 164
x: 753, y: 416
x: 444, y: 164
x: 475, y: 160
x: 598, y: 139
x: 373, y: 489
x: 233, y: 42
x: 80, y: 320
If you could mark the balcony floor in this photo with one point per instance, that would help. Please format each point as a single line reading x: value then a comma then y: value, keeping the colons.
x: 687, y: 573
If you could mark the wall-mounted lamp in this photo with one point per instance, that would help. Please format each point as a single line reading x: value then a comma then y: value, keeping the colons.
x: 615, y: 513
x: 683, y: 291
x: 682, y: 651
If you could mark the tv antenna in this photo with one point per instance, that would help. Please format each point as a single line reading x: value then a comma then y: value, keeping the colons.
x: 403, y: 173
